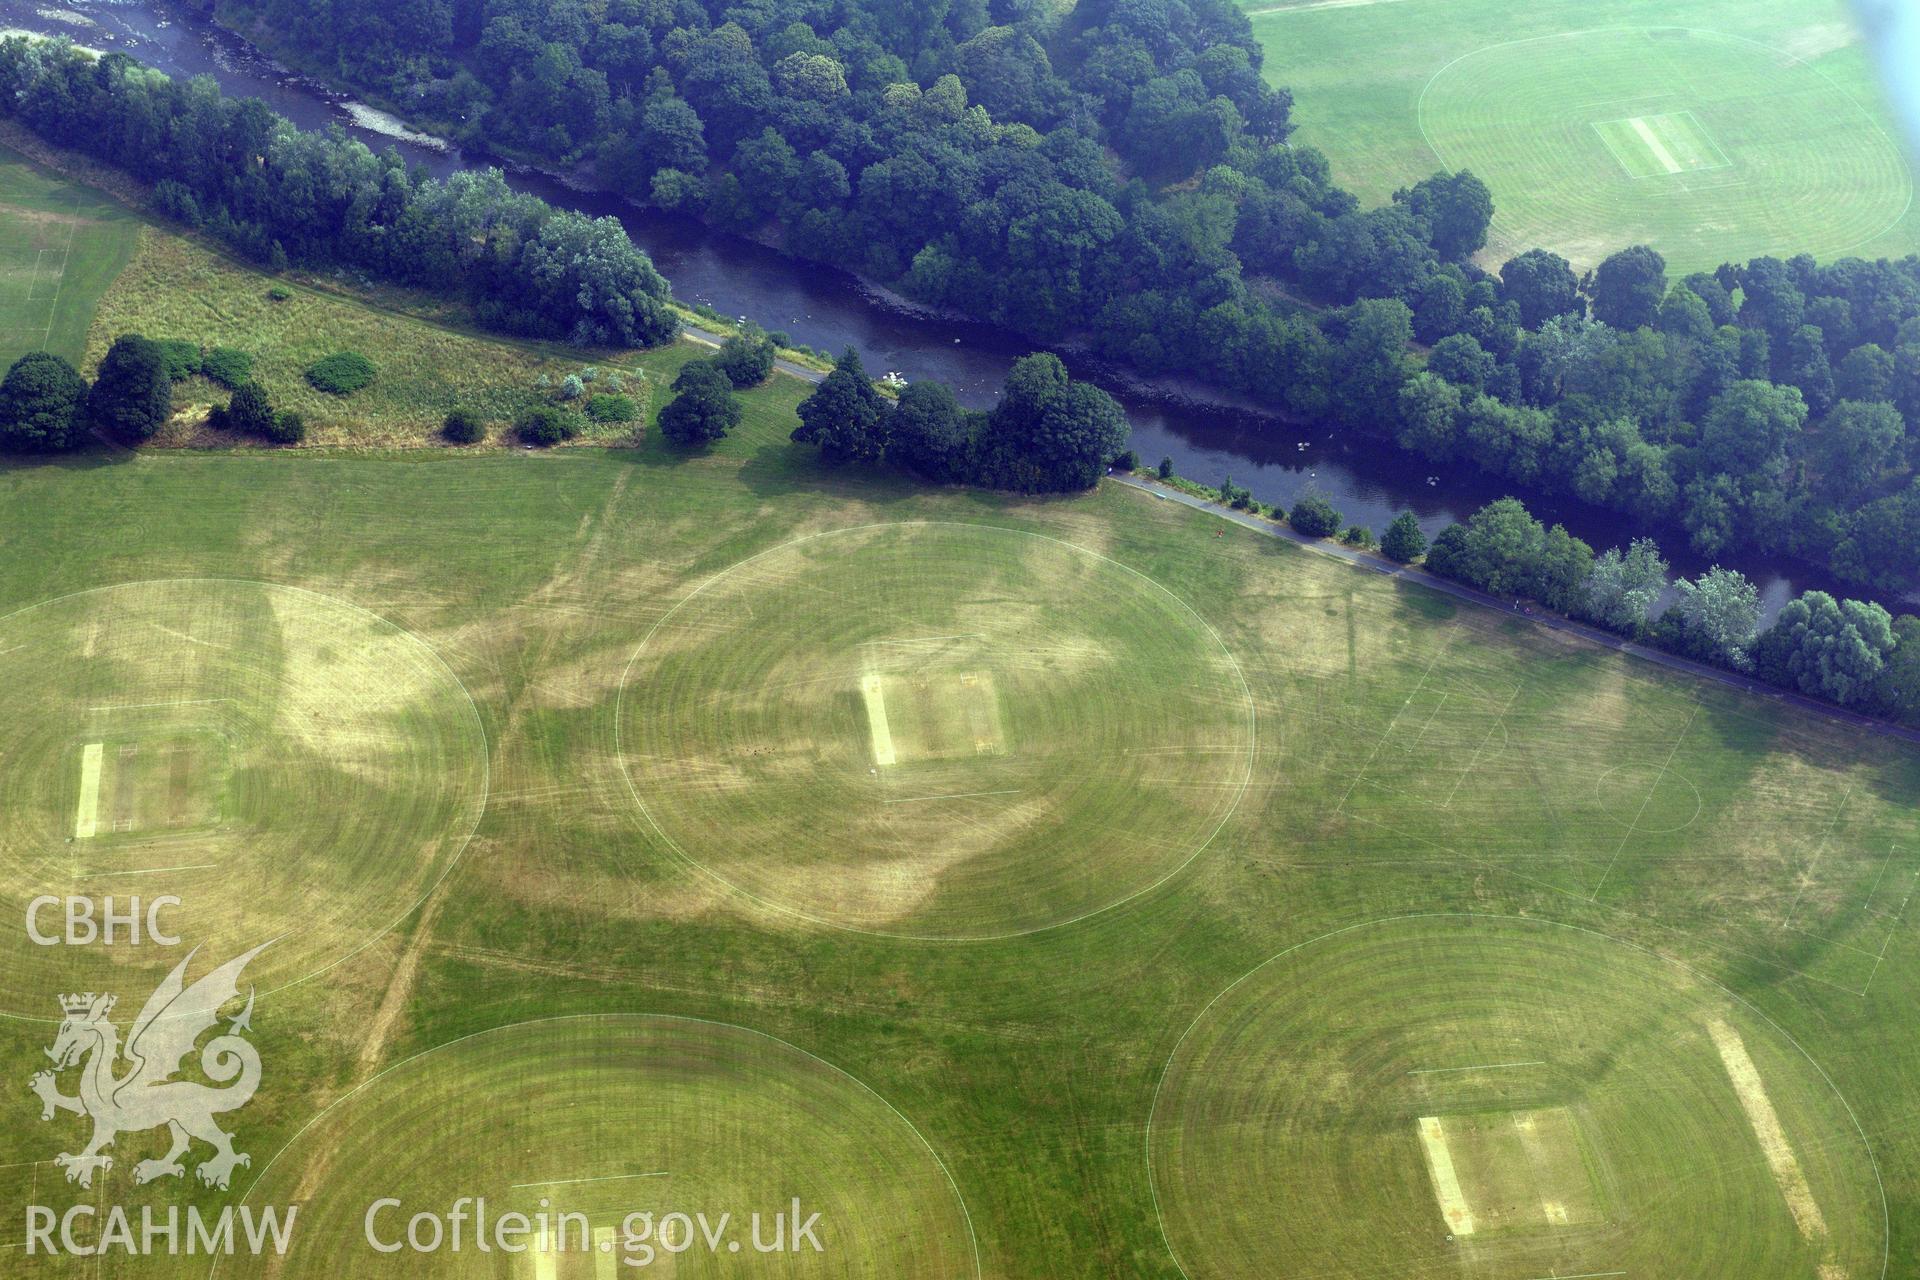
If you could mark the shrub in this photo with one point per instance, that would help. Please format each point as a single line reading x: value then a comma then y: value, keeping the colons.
x: 1128, y: 462
x: 250, y: 412
x: 572, y: 387
x: 746, y: 358
x: 279, y: 293
x: 462, y: 427
x: 286, y: 427
x: 1166, y: 468
x: 1403, y: 540
x: 546, y: 426
x: 1314, y: 516
x: 341, y: 373
x: 180, y: 358
x: 612, y: 408
x: 1357, y: 535
x: 229, y: 366
x: 613, y: 382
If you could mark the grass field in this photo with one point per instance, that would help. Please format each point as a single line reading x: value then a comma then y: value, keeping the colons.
x: 1511, y: 1098
x: 1068, y: 887
x: 1715, y: 131
x: 599, y: 1119
x: 1710, y: 883
x: 1040, y: 733
x: 289, y: 766
x: 61, y: 246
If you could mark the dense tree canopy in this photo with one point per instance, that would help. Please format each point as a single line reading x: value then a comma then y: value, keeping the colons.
x: 703, y: 408
x: 42, y: 404
x: 1116, y: 170
x: 1502, y: 549
x: 845, y: 416
x: 280, y: 195
x: 1834, y: 649
x: 131, y: 395
x: 1049, y: 433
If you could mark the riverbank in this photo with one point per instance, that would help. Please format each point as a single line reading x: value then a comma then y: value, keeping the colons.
x: 1207, y: 434
x: 1376, y: 563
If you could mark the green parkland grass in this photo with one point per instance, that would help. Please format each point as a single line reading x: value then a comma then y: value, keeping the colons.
x: 1715, y: 133
x: 61, y: 246
x: 1106, y: 1092
x: 566, y: 768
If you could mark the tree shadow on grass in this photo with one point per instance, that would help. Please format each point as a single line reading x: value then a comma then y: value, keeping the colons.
x: 92, y: 458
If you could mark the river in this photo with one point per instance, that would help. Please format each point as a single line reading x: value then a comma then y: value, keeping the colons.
x: 1208, y: 436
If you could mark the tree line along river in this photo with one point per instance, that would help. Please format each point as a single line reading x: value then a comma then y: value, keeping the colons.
x: 1208, y: 435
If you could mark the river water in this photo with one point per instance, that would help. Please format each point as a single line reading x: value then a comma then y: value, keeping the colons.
x: 1209, y: 437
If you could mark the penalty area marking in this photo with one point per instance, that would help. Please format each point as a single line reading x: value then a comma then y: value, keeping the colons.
x: 1491, y: 1066
x: 1446, y: 1183
x: 874, y: 693
x: 87, y: 819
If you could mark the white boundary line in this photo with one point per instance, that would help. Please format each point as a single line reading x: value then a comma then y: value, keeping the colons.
x: 574, y: 1182
x: 1153, y: 1110
x: 1898, y: 149
x: 1252, y: 748
x: 966, y: 1215
x: 390, y: 627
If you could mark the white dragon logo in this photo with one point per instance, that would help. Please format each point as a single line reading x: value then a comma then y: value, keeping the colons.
x: 147, y: 1096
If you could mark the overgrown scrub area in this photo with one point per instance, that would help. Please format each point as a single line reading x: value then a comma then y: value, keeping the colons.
x: 176, y: 289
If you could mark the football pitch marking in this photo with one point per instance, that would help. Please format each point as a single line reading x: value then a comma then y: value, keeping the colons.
x: 873, y: 690
x: 86, y: 821
x: 1446, y: 1183
x: 1819, y: 851
x: 1752, y: 1092
x: 1642, y: 811
x: 147, y: 871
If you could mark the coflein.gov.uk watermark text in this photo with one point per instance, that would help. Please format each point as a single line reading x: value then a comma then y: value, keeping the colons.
x: 640, y: 1238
